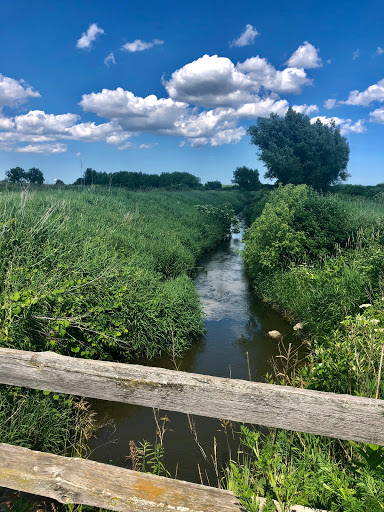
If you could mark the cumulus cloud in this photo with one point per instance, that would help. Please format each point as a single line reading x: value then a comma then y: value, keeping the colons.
x: 346, y: 125
x: 89, y: 37
x: 138, y: 45
x: 246, y: 38
x: 305, y: 109
x: 110, y: 59
x: 377, y: 116
x: 379, y: 51
x: 374, y: 92
x: 305, y: 57
x: 42, y: 148
x: 262, y: 74
x: 38, y: 122
x: 15, y: 92
x: 356, y: 54
x: 330, y: 103
x: 6, y: 123
x: 212, y: 81
x: 133, y: 112
x: 229, y: 136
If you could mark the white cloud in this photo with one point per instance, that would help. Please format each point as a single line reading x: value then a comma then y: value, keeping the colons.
x: 346, y: 125
x: 377, y: 116
x: 89, y: 37
x: 6, y: 123
x: 134, y: 113
x: 246, y: 38
x: 263, y: 74
x: 305, y: 57
x: 38, y: 122
x: 132, y: 145
x: 213, y: 81
x: 110, y: 59
x: 138, y: 45
x: 330, y: 103
x: 379, y: 51
x: 15, y: 92
x: 42, y: 148
x: 374, y: 92
x: 356, y: 54
x: 210, y: 81
x: 305, y: 109
x: 229, y: 136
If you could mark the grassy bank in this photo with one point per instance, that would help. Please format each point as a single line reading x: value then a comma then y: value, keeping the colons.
x: 102, y: 274
x: 319, y: 259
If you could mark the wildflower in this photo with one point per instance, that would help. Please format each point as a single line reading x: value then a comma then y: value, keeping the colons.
x: 365, y: 305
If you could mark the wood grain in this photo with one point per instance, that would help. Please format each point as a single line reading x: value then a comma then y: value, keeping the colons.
x: 340, y: 416
x: 81, y: 481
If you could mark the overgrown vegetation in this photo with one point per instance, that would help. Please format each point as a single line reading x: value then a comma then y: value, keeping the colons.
x: 319, y: 259
x: 97, y: 274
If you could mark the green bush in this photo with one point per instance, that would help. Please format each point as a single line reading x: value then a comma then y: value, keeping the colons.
x: 297, y: 225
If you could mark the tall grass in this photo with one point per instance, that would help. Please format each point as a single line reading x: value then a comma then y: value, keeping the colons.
x: 102, y: 274
x: 336, y: 292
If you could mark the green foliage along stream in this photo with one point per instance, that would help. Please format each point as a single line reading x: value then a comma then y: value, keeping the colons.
x: 102, y: 274
x: 319, y: 259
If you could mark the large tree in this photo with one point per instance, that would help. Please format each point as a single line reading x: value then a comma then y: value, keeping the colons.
x: 294, y: 150
x: 15, y: 175
x: 246, y: 178
x: 34, y: 175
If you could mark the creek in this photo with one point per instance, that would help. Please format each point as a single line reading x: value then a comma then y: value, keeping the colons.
x: 237, y: 323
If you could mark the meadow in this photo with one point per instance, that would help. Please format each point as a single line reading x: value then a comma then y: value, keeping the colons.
x: 319, y: 260
x: 101, y: 274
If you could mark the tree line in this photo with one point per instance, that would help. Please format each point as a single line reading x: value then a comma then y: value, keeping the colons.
x: 141, y: 180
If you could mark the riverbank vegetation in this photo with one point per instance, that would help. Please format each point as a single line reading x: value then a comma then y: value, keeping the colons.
x: 101, y: 274
x: 319, y: 260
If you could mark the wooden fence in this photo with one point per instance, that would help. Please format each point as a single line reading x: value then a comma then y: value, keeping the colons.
x: 72, y: 480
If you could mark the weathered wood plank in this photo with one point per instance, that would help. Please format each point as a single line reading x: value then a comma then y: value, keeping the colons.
x: 329, y: 414
x: 73, y: 480
x: 81, y: 481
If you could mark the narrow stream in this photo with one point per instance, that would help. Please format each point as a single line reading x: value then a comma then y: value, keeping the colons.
x: 236, y: 323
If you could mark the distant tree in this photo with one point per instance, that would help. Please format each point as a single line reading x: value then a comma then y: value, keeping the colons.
x: 35, y: 176
x: 294, y: 150
x: 59, y: 182
x: 246, y: 178
x: 15, y: 175
x: 213, y: 185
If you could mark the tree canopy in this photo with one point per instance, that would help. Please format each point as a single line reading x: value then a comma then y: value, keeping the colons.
x: 246, y: 178
x: 139, y: 180
x: 18, y: 175
x: 294, y: 150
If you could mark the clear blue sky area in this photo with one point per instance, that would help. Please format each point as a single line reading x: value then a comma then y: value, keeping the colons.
x: 173, y: 86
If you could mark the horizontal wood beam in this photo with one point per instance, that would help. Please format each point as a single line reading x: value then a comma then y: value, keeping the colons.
x: 82, y: 481
x: 339, y: 416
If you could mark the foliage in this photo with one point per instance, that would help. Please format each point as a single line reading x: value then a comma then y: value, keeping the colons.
x: 302, y: 469
x: 140, y: 180
x: 15, y: 175
x: 294, y: 150
x: 338, y: 296
x: 213, y: 185
x: 35, y: 176
x: 18, y: 175
x: 105, y: 275
x: 245, y: 178
x: 296, y: 224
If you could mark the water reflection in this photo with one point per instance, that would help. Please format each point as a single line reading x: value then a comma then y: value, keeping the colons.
x: 237, y: 323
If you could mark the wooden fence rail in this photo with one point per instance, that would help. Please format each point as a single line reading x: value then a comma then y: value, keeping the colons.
x: 315, y: 412
x: 72, y: 480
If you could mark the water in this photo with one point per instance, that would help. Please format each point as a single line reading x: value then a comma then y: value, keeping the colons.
x: 237, y: 323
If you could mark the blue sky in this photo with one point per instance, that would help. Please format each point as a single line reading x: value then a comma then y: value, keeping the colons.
x: 173, y: 86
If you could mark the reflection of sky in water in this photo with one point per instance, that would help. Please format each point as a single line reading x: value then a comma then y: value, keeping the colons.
x: 237, y: 323
x: 221, y: 285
